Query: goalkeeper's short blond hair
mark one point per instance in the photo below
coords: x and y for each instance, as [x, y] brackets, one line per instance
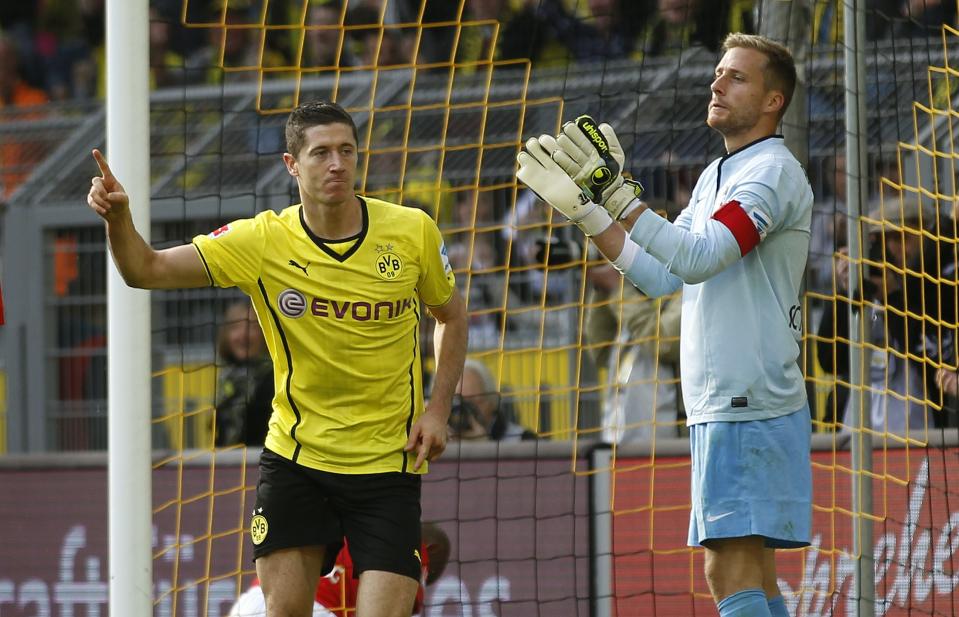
[780, 73]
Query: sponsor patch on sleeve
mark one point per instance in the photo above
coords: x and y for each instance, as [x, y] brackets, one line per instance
[444, 255]
[216, 233]
[761, 221]
[447, 268]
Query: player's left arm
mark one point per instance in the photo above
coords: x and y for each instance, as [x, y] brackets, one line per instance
[755, 209]
[450, 336]
[592, 156]
[437, 291]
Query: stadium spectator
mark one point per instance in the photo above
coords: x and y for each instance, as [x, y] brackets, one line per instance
[670, 29]
[738, 252]
[481, 411]
[339, 283]
[166, 64]
[521, 33]
[474, 209]
[363, 38]
[336, 592]
[14, 90]
[86, 70]
[485, 286]
[421, 186]
[925, 18]
[948, 381]
[883, 18]
[17, 157]
[741, 18]
[901, 284]
[61, 44]
[827, 274]
[478, 43]
[244, 381]
[831, 352]
[828, 223]
[17, 16]
[523, 232]
[603, 35]
[379, 46]
[473, 251]
[946, 378]
[676, 26]
[637, 340]
[240, 47]
[326, 44]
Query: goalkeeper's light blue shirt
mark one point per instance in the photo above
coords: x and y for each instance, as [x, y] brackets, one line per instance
[739, 250]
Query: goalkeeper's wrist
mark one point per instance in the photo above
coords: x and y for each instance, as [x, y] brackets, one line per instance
[594, 222]
[624, 199]
[626, 257]
[630, 208]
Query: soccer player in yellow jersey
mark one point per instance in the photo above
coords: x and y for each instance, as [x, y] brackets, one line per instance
[339, 283]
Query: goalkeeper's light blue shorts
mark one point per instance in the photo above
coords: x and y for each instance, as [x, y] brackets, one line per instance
[752, 479]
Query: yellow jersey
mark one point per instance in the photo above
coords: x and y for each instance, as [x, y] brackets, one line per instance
[341, 320]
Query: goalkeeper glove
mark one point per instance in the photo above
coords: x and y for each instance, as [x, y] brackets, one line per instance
[539, 172]
[593, 157]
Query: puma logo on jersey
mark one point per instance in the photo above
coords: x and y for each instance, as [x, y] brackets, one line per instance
[303, 268]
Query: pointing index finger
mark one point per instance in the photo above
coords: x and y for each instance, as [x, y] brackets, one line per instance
[102, 164]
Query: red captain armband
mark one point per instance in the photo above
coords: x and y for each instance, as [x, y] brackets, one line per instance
[732, 215]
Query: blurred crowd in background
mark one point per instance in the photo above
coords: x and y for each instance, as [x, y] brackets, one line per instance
[53, 50]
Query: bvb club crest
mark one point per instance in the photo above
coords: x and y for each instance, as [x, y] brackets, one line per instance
[258, 529]
[388, 265]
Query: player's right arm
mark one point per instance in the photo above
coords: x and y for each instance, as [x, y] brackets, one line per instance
[550, 182]
[644, 271]
[140, 264]
[592, 157]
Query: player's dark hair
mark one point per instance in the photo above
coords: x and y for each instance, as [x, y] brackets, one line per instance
[780, 72]
[315, 113]
[438, 548]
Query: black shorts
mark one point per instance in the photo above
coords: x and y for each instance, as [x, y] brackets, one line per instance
[378, 514]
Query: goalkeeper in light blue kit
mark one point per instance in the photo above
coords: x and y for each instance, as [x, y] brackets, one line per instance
[739, 251]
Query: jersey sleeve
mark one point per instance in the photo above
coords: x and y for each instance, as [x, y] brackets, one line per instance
[436, 282]
[649, 274]
[233, 253]
[758, 206]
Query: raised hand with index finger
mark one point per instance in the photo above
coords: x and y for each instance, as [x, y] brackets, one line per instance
[107, 196]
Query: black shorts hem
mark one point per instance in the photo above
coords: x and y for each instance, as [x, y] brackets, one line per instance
[413, 571]
[329, 557]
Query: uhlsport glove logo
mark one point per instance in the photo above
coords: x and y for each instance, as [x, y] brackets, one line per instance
[588, 126]
[602, 176]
